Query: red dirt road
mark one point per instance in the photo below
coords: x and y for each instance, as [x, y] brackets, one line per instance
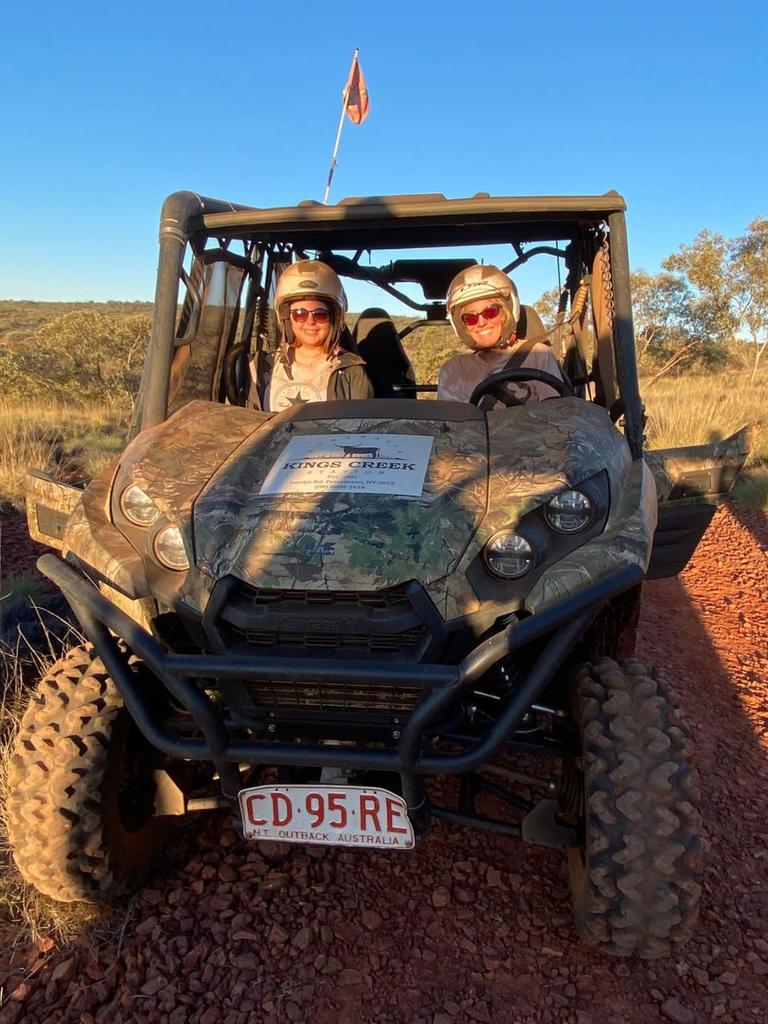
[472, 927]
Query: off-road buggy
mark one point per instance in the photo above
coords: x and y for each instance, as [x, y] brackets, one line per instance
[308, 617]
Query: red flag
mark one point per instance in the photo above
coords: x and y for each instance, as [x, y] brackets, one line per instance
[358, 105]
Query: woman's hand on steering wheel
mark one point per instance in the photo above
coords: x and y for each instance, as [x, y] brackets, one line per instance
[493, 385]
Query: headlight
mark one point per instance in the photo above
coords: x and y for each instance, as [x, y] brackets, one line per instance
[169, 548]
[568, 511]
[137, 507]
[509, 555]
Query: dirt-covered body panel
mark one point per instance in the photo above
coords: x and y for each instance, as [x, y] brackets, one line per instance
[338, 539]
[702, 471]
[480, 476]
[627, 540]
[535, 451]
[96, 542]
[174, 461]
[49, 504]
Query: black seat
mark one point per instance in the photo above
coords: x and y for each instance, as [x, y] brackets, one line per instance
[530, 327]
[380, 346]
[347, 341]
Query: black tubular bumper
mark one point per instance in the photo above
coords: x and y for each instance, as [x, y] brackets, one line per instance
[440, 685]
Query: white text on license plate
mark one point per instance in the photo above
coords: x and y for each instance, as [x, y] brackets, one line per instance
[332, 815]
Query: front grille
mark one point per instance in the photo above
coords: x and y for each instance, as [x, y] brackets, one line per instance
[347, 623]
[364, 598]
[325, 625]
[409, 639]
[333, 697]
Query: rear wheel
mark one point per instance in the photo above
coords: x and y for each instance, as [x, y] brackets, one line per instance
[81, 792]
[636, 877]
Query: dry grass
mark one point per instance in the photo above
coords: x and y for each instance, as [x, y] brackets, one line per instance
[21, 446]
[750, 494]
[23, 586]
[69, 441]
[700, 410]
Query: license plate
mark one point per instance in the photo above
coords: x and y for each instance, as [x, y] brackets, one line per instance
[330, 815]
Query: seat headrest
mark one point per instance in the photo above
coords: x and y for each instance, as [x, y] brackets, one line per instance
[530, 326]
[379, 344]
[368, 320]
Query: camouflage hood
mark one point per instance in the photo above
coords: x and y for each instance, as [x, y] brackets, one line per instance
[344, 503]
[360, 503]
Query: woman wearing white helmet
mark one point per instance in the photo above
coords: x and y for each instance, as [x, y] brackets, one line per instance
[310, 364]
[484, 309]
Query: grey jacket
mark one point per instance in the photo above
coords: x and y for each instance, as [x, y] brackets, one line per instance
[348, 379]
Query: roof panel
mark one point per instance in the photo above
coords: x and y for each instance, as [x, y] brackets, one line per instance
[395, 217]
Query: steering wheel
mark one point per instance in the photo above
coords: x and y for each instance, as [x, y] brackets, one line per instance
[493, 385]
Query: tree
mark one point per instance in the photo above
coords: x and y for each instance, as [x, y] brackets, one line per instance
[714, 310]
[87, 355]
[661, 305]
[13, 381]
[547, 306]
[749, 261]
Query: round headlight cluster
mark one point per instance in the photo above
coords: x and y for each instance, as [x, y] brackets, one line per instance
[568, 511]
[137, 506]
[509, 555]
[169, 548]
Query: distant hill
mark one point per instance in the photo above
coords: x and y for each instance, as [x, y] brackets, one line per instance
[20, 319]
[427, 348]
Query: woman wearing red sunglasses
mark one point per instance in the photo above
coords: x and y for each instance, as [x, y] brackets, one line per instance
[484, 309]
[310, 365]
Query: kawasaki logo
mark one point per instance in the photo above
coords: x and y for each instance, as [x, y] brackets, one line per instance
[304, 623]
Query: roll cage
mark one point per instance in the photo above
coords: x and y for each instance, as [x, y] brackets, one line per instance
[236, 254]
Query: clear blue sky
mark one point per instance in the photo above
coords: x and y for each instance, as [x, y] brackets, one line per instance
[107, 108]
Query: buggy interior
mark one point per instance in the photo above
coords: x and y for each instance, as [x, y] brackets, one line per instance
[217, 284]
[227, 325]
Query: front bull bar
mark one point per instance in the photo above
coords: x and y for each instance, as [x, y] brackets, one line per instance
[442, 685]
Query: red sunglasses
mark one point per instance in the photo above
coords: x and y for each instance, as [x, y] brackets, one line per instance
[489, 313]
[319, 316]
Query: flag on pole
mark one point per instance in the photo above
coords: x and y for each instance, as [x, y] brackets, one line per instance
[357, 104]
[354, 103]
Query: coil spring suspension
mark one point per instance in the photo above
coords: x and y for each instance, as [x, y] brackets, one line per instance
[579, 304]
[569, 791]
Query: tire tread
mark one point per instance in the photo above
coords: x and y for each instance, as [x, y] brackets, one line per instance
[55, 779]
[639, 886]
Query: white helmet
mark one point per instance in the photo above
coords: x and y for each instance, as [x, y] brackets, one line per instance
[482, 282]
[310, 279]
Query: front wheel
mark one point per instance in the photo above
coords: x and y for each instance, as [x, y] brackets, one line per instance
[635, 879]
[80, 790]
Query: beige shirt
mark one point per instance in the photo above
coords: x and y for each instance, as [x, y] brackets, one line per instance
[297, 385]
[460, 375]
